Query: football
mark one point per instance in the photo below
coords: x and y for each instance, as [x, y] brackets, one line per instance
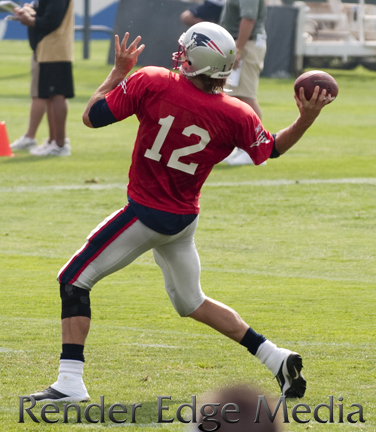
[309, 80]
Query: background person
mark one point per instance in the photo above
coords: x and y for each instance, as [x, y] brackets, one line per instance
[38, 108]
[210, 11]
[51, 34]
[245, 21]
[186, 127]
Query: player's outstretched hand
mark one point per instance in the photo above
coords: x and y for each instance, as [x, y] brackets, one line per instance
[126, 58]
[310, 109]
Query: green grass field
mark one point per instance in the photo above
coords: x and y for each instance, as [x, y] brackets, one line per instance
[290, 246]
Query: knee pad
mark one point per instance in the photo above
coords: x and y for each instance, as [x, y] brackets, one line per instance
[75, 301]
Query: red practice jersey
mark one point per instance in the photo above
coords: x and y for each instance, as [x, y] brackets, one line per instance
[183, 133]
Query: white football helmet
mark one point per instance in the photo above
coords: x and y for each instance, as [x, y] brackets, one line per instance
[205, 48]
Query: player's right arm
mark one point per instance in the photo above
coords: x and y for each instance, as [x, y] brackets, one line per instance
[309, 111]
[125, 60]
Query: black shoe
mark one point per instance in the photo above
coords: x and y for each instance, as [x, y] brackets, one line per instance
[50, 394]
[290, 378]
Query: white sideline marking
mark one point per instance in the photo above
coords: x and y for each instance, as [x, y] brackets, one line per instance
[279, 274]
[213, 337]
[57, 322]
[365, 280]
[5, 350]
[280, 182]
[272, 273]
[152, 345]
[21, 189]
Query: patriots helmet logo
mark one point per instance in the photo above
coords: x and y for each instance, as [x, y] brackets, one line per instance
[201, 40]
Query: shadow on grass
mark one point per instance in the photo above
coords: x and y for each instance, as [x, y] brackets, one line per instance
[17, 159]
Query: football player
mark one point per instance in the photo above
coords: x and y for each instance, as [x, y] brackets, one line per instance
[187, 125]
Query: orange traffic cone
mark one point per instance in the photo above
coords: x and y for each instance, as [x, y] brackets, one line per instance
[5, 150]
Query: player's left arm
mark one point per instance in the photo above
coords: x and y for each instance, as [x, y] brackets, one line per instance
[309, 111]
[125, 60]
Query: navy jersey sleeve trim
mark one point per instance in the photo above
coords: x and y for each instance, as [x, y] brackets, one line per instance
[100, 114]
[275, 153]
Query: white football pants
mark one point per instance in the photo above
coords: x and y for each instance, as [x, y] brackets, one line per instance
[120, 239]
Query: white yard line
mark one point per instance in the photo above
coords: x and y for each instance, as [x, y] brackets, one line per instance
[6, 350]
[249, 271]
[153, 346]
[138, 330]
[280, 182]
[283, 182]
[255, 183]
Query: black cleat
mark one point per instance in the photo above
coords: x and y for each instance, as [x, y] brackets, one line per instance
[50, 394]
[290, 378]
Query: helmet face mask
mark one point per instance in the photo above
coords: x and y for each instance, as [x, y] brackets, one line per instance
[206, 48]
[179, 56]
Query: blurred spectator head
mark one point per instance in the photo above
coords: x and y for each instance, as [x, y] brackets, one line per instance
[234, 409]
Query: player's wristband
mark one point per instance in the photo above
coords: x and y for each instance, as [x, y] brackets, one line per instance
[275, 153]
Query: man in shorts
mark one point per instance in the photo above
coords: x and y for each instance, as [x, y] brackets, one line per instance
[245, 21]
[210, 11]
[187, 125]
[51, 34]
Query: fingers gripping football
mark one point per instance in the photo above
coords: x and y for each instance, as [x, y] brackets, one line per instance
[310, 109]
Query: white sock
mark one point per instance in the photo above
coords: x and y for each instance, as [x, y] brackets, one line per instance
[271, 356]
[70, 380]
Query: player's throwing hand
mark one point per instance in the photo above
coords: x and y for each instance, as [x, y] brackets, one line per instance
[310, 109]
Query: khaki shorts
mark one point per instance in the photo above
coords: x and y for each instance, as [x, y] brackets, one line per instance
[34, 77]
[253, 62]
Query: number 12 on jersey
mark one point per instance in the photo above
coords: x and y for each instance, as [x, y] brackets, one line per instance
[154, 152]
